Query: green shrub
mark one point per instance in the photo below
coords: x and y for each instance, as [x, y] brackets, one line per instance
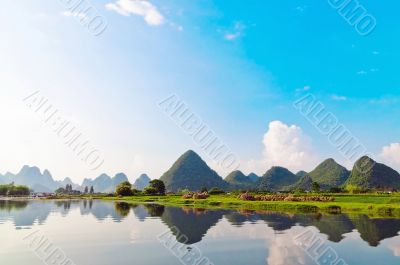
[216, 191]
[124, 189]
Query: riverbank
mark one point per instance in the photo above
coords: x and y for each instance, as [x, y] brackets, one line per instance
[372, 205]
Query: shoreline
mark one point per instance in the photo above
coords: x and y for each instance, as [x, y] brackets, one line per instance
[373, 205]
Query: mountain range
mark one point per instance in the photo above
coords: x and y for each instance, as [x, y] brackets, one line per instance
[191, 172]
[33, 178]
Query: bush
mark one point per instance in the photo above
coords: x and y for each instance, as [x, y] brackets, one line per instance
[335, 190]
[136, 192]
[150, 191]
[216, 191]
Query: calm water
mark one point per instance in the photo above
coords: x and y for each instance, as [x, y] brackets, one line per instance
[97, 232]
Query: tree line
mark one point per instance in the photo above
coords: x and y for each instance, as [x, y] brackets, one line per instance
[14, 190]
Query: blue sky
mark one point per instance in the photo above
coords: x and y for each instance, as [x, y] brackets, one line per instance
[239, 66]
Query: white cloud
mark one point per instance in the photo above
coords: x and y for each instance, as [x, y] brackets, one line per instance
[301, 9]
[285, 146]
[385, 100]
[74, 14]
[338, 98]
[237, 32]
[391, 154]
[302, 89]
[143, 8]
[362, 72]
[288, 146]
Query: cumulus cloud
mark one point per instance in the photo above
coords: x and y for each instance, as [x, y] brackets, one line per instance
[145, 9]
[286, 146]
[391, 154]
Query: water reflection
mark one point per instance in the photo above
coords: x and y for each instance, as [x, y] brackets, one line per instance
[195, 222]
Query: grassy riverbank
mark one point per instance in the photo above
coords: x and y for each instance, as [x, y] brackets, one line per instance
[373, 205]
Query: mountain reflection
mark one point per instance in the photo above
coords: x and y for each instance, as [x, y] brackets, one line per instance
[194, 223]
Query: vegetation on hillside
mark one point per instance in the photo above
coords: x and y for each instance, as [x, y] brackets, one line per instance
[329, 174]
[277, 179]
[191, 172]
[238, 180]
[368, 174]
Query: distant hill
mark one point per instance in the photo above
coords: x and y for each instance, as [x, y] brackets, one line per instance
[142, 182]
[238, 180]
[301, 173]
[368, 174]
[329, 174]
[304, 183]
[33, 178]
[104, 183]
[68, 181]
[191, 172]
[253, 177]
[277, 179]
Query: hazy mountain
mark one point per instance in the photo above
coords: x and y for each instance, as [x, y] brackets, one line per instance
[142, 182]
[276, 179]
[368, 174]
[253, 177]
[68, 181]
[329, 174]
[7, 178]
[238, 180]
[118, 179]
[104, 183]
[32, 178]
[191, 172]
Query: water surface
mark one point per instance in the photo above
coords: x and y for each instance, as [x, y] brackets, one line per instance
[99, 232]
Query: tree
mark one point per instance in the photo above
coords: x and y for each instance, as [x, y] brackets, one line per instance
[158, 186]
[315, 187]
[60, 191]
[91, 190]
[68, 188]
[124, 189]
[86, 189]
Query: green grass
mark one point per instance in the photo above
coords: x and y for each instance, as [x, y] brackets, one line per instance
[371, 204]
